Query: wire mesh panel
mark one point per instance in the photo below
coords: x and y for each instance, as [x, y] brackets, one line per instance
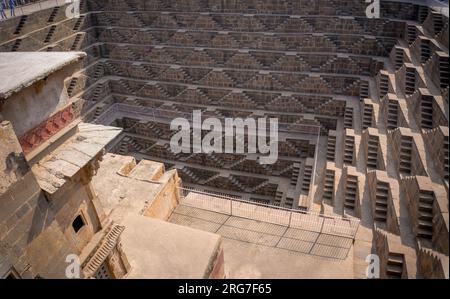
[296, 219]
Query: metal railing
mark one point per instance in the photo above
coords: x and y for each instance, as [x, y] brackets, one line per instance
[31, 6]
[296, 219]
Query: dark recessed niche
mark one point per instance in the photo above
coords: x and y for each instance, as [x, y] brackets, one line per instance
[78, 223]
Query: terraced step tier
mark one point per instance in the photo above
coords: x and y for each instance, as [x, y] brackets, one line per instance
[381, 201]
[50, 34]
[52, 16]
[16, 45]
[307, 175]
[76, 41]
[78, 23]
[331, 148]
[295, 174]
[21, 24]
[394, 266]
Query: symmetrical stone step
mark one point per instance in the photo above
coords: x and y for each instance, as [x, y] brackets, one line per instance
[76, 41]
[72, 85]
[349, 149]
[423, 13]
[193, 178]
[21, 24]
[102, 251]
[410, 81]
[426, 115]
[98, 71]
[445, 155]
[392, 114]
[78, 23]
[279, 196]
[425, 214]
[438, 22]
[351, 192]
[383, 84]
[123, 146]
[411, 33]
[404, 163]
[368, 116]
[328, 187]
[364, 89]
[16, 45]
[372, 152]
[381, 201]
[96, 92]
[295, 174]
[307, 176]
[399, 57]
[331, 145]
[348, 118]
[289, 203]
[126, 86]
[52, 16]
[444, 71]
[425, 51]
[49, 36]
[394, 265]
[98, 111]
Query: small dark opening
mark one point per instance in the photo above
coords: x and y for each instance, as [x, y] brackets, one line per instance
[11, 276]
[78, 223]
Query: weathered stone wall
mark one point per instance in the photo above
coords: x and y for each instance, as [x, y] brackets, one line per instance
[31, 238]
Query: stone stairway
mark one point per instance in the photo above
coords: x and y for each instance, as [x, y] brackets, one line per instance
[295, 173]
[368, 116]
[126, 86]
[72, 85]
[96, 92]
[351, 192]
[410, 81]
[392, 114]
[78, 23]
[16, 45]
[49, 35]
[52, 16]
[21, 24]
[372, 152]
[381, 201]
[426, 112]
[444, 73]
[383, 84]
[349, 149]
[411, 33]
[425, 214]
[328, 187]
[76, 41]
[348, 118]
[331, 145]
[194, 178]
[364, 89]
[307, 176]
[113, 70]
[399, 57]
[394, 265]
[98, 71]
[404, 166]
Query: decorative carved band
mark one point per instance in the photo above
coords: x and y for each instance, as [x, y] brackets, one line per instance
[35, 137]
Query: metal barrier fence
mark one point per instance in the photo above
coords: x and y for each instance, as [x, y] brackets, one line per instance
[297, 219]
[31, 6]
